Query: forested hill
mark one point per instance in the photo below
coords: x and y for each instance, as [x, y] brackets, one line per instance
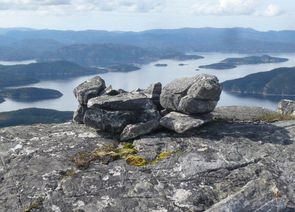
[276, 82]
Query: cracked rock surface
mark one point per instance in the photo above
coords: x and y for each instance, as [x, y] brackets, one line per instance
[223, 166]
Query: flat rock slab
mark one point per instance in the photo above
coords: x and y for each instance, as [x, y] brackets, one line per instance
[132, 131]
[241, 113]
[181, 123]
[224, 167]
[125, 101]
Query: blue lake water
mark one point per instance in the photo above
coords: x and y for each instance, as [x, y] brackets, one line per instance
[150, 74]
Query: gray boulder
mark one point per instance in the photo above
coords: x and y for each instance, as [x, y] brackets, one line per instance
[181, 123]
[89, 89]
[196, 95]
[287, 107]
[108, 121]
[79, 114]
[132, 131]
[116, 121]
[124, 101]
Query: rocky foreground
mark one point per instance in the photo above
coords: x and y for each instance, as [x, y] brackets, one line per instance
[223, 166]
[159, 150]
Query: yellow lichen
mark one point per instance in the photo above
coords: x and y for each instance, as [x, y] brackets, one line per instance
[273, 117]
[162, 156]
[124, 152]
[136, 160]
[68, 173]
[35, 204]
[82, 159]
[106, 153]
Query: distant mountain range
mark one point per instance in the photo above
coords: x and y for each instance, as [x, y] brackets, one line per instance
[279, 82]
[20, 44]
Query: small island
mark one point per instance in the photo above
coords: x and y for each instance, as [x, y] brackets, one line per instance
[231, 63]
[123, 68]
[161, 65]
[30, 94]
[182, 64]
[184, 57]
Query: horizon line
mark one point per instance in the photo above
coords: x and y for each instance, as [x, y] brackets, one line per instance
[135, 31]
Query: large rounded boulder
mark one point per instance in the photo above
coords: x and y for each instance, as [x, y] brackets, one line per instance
[196, 95]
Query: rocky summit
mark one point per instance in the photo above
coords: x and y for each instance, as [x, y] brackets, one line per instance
[127, 151]
[223, 166]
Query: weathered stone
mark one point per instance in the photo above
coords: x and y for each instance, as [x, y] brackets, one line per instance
[89, 89]
[132, 131]
[108, 121]
[116, 121]
[241, 113]
[195, 95]
[181, 123]
[79, 114]
[125, 101]
[110, 91]
[287, 107]
[154, 91]
[190, 105]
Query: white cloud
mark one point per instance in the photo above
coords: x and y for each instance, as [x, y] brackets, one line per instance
[82, 5]
[235, 7]
[226, 7]
[272, 10]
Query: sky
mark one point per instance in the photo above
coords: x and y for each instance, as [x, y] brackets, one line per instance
[139, 15]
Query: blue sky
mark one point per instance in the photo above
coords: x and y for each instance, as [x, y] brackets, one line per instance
[137, 15]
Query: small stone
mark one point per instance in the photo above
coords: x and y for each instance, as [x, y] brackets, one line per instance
[135, 130]
[287, 107]
[182, 123]
[109, 91]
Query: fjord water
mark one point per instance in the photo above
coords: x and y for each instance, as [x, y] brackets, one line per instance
[150, 73]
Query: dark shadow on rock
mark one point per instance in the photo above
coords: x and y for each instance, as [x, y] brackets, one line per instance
[260, 132]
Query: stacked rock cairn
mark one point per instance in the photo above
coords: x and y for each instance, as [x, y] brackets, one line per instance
[182, 105]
